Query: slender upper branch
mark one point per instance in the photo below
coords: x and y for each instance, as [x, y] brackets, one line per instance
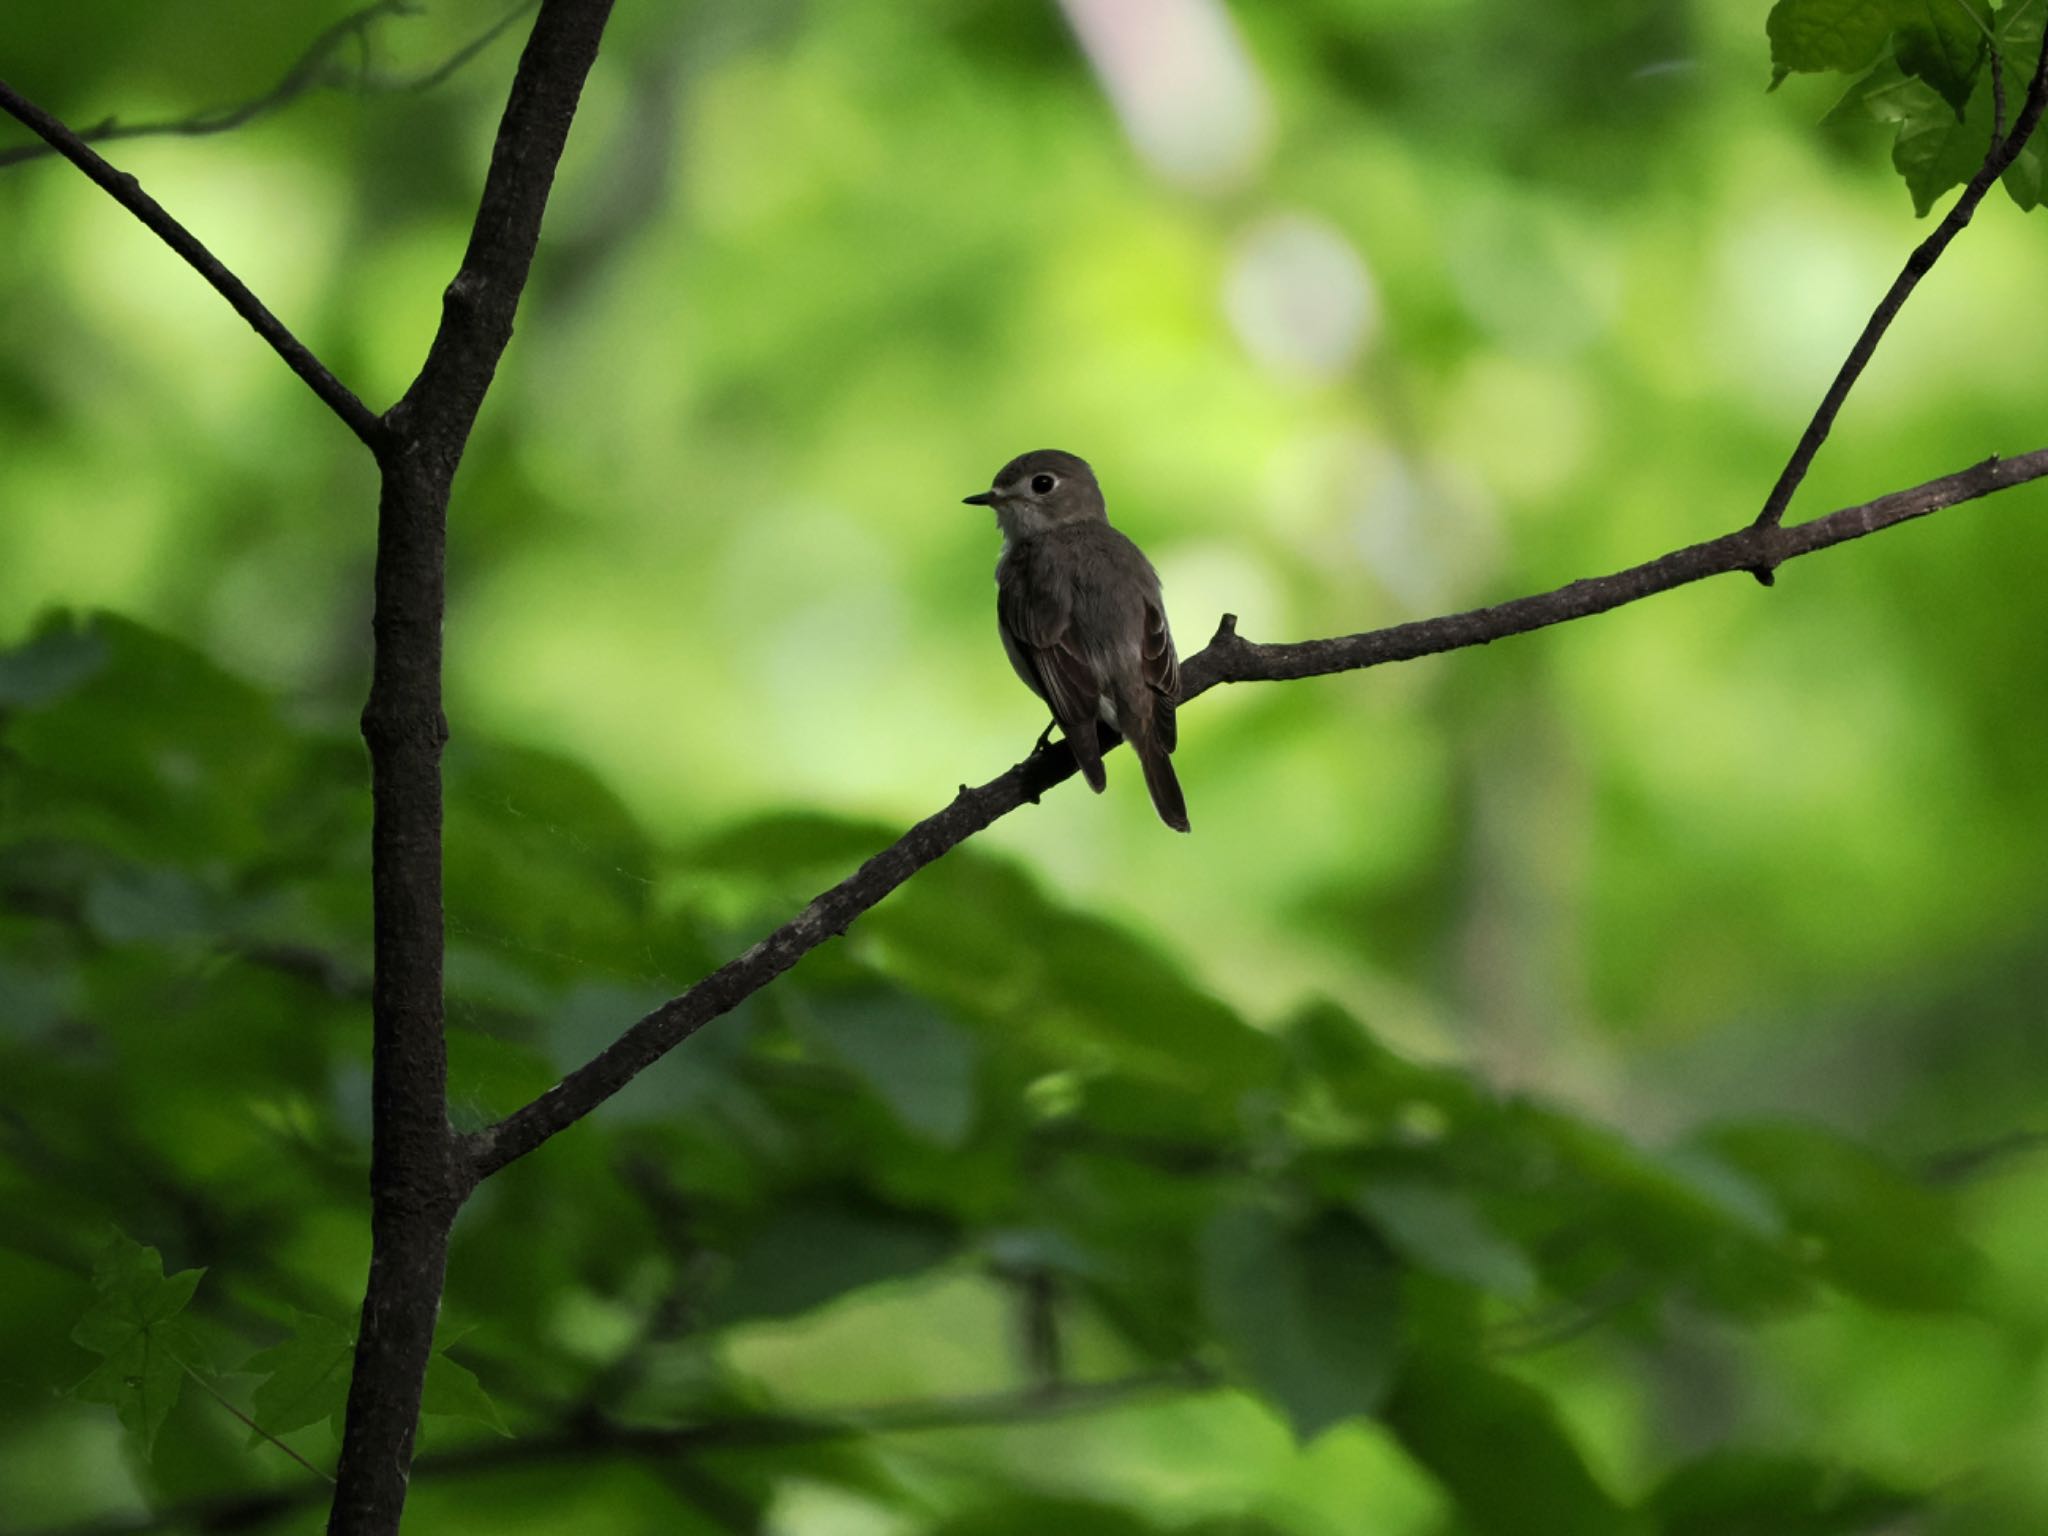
[127, 191]
[308, 72]
[2004, 150]
[477, 307]
[1228, 658]
[305, 73]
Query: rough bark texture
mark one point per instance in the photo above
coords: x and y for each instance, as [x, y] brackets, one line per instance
[416, 1183]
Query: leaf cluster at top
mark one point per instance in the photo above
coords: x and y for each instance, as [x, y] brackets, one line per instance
[1923, 67]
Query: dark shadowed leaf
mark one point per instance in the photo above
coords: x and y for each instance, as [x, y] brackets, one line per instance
[909, 1055]
[810, 1251]
[1943, 120]
[1443, 1230]
[61, 656]
[792, 843]
[1811, 35]
[153, 906]
[453, 1392]
[1876, 1232]
[135, 1322]
[1035, 1515]
[305, 1378]
[1310, 1316]
[1756, 1493]
[1497, 1447]
[1941, 44]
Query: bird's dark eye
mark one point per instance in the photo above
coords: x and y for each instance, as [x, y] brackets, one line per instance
[1041, 484]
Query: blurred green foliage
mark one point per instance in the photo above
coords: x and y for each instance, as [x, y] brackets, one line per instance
[1579, 1086]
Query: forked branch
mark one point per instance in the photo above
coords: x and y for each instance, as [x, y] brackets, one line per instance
[2005, 148]
[127, 191]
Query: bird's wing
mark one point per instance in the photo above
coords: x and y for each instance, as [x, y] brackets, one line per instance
[1161, 671]
[1036, 619]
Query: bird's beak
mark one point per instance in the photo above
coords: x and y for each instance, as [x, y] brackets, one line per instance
[979, 499]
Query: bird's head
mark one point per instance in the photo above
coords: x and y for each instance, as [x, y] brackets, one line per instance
[1039, 490]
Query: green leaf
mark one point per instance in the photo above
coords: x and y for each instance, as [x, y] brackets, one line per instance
[787, 844]
[2019, 32]
[1443, 1231]
[810, 1251]
[1874, 1231]
[162, 757]
[452, 1391]
[135, 1322]
[2023, 179]
[1936, 41]
[909, 1056]
[1311, 1317]
[1943, 126]
[1935, 150]
[61, 656]
[306, 1377]
[1944, 44]
[1931, 149]
[1814, 35]
[1031, 1514]
[1754, 1493]
[148, 906]
[1499, 1451]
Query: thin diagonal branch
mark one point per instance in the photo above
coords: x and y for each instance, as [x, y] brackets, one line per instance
[1229, 658]
[308, 73]
[465, 53]
[478, 306]
[220, 1397]
[2002, 153]
[598, 1439]
[127, 191]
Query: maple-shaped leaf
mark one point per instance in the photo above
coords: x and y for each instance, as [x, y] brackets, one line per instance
[452, 1391]
[136, 1321]
[305, 1377]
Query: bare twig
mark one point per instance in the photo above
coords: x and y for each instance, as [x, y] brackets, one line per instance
[304, 74]
[587, 1439]
[462, 55]
[127, 191]
[309, 72]
[2002, 153]
[215, 1393]
[1229, 658]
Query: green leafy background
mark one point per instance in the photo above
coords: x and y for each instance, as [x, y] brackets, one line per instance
[1585, 1085]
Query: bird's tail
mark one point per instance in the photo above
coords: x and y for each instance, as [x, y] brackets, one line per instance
[1160, 779]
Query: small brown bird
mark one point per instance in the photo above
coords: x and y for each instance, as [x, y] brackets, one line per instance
[1081, 616]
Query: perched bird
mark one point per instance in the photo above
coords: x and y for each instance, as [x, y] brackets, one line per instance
[1080, 613]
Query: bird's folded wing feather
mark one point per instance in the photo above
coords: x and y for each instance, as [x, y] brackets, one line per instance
[1162, 671]
[1036, 617]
